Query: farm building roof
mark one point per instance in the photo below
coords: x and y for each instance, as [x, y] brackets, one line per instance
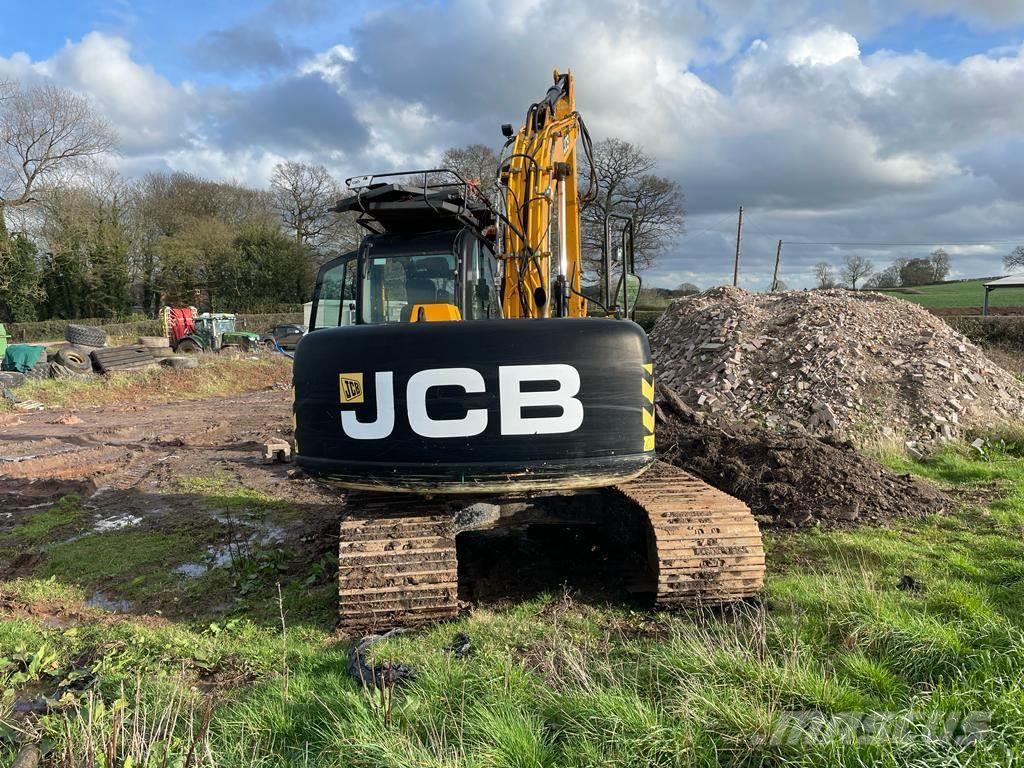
[1013, 281]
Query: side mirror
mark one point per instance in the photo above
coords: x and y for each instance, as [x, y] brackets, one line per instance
[627, 292]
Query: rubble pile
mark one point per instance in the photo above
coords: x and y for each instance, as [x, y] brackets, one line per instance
[857, 366]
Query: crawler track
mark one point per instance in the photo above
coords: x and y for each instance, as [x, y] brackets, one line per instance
[707, 544]
[396, 562]
[398, 565]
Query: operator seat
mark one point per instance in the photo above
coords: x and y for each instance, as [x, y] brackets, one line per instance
[418, 290]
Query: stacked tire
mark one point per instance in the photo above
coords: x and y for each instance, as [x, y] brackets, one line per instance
[85, 335]
[158, 346]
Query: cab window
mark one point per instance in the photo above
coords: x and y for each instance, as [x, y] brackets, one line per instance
[394, 284]
[334, 302]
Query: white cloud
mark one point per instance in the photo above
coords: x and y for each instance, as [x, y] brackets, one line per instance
[147, 110]
[822, 47]
[817, 140]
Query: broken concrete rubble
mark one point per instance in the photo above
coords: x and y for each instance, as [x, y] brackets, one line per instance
[854, 365]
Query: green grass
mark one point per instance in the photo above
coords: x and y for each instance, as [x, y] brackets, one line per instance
[44, 525]
[554, 681]
[965, 293]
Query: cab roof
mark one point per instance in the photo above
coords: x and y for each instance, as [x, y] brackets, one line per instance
[407, 208]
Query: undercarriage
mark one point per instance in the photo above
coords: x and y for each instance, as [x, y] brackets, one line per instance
[672, 539]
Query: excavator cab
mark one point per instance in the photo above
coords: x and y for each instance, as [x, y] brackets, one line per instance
[441, 275]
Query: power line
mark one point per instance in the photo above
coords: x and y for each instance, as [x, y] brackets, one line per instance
[708, 228]
[892, 245]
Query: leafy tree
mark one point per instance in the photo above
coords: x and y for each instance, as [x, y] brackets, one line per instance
[88, 238]
[20, 288]
[1014, 259]
[276, 269]
[64, 285]
[687, 289]
[916, 272]
[779, 287]
[186, 259]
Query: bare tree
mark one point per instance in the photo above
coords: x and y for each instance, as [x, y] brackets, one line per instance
[940, 264]
[1014, 259]
[477, 164]
[856, 269]
[626, 184]
[824, 274]
[304, 195]
[47, 134]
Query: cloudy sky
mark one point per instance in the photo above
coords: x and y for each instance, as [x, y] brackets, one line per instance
[880, 127]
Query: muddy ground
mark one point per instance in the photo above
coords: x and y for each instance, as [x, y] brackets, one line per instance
[145, 477]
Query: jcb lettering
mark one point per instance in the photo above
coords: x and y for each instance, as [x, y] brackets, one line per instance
[385, 422]
[473, 423]
[512, 400]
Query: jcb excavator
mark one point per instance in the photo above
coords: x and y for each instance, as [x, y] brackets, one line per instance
[452, 382]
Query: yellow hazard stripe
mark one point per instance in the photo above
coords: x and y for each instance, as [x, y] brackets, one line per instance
[649, 420]
[647, 389]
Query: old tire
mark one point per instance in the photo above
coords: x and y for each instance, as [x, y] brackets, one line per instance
[155, 342]
[74, 358]
[11, 379]
[188, 347]
[40, 370]
[86, 335]
[180, 362]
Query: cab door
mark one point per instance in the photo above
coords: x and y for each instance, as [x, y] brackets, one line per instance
[334, 295]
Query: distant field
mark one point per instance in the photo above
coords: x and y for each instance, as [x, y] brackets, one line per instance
[968, 293]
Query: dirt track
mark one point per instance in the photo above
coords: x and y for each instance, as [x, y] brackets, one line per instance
[144, 466]
[121, 447]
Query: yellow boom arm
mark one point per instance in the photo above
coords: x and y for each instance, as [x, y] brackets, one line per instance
[541, 238]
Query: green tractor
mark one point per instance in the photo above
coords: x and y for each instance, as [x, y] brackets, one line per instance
[212, 332]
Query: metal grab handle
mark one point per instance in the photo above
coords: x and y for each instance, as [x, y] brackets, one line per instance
[627, 259]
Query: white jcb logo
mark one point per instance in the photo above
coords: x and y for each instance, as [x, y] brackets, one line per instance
[511, 397]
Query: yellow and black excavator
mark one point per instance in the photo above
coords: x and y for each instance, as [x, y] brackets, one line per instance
[452, 382]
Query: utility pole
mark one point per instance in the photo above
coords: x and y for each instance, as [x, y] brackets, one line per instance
[739, 233]
[775, 276]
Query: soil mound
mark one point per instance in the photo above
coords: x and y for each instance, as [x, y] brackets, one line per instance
[789, 480]
[854, 365]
